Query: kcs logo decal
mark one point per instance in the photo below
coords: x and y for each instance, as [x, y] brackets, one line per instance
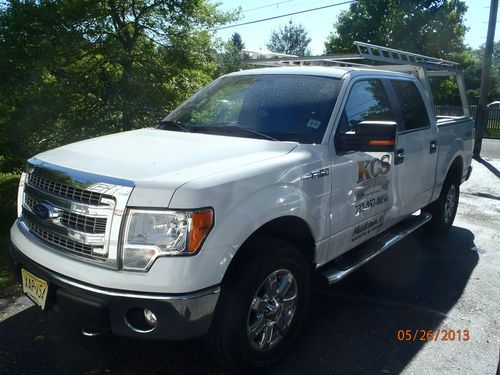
[372, 168]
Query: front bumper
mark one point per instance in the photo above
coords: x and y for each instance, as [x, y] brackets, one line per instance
[179, 316]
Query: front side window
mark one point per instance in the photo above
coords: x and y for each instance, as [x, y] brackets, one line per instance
[367, 101]
[282, 107]
[412, 106]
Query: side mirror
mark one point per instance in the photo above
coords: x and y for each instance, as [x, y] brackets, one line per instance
[369, 136]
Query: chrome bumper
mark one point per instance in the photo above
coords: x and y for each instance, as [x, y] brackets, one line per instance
[179, 316]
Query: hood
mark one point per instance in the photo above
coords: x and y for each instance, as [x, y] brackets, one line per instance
[155, 158]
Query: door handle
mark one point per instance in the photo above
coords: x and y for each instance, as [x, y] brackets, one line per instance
[433, 147]
[400, 156]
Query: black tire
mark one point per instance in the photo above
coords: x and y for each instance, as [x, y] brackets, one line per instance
[229, 340]
[444, 209]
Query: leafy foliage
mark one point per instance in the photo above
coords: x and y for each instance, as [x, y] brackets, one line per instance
[229, 60]
[8, 192]
[290, 39]
[474, 71]
[73, 69]
[431, 27]
[237, 42]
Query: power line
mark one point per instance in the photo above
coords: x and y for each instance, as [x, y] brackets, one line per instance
[277, 5]
[266, 6]
[284, 15]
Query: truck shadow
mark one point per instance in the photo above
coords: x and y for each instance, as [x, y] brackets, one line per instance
[489, 166]
[351, 328]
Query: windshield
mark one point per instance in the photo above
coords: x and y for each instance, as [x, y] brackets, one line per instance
[268, 106]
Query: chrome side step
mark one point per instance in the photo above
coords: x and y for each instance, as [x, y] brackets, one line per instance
[355, 258]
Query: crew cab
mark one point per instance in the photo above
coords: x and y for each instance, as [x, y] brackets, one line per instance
[213, 222]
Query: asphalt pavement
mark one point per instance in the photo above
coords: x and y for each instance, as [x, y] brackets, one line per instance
[423, 283]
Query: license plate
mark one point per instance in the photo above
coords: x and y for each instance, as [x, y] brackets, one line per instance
[35, 288]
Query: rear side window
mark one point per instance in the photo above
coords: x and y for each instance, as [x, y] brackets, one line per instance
[367, 101]
[412, 106]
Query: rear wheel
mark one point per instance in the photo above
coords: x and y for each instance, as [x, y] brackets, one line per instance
[444, 209]
[261, 307]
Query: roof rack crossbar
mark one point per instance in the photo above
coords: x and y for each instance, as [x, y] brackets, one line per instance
[397, 57]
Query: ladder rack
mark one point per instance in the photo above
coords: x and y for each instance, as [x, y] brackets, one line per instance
[366, 51]
[393, 56]
[420, 66]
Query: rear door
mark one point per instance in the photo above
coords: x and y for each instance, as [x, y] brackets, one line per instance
[416, 152]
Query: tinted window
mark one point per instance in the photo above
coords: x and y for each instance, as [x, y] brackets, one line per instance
[285, 107]
[367, 102]
[412, 106]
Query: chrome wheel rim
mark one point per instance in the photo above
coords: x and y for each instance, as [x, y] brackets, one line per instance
[272, 310]
[449, 205]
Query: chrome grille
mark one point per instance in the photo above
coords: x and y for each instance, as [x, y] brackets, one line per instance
[66, 191]
[74, 212]
[83, 223]
[61, 241]
[73, 220]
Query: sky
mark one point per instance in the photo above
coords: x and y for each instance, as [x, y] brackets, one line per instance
[319, 24]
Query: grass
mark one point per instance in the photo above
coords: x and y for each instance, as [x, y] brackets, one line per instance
[8, 212]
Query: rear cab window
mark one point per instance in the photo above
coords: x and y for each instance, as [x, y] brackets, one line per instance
[412, 105]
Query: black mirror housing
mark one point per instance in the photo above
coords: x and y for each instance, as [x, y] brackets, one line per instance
[369, 136]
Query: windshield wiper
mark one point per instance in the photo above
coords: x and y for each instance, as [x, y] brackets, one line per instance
[233, 129]
[169, 124]
[255, 132]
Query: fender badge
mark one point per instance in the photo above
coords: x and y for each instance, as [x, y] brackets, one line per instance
[316, 174]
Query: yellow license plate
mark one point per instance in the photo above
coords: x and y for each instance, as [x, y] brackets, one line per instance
[35, 288]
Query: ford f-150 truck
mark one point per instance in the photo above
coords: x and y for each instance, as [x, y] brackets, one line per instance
[214, 222]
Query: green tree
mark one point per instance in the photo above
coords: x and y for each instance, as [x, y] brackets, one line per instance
[229, 60]
[290, 39]
[237, 42]
[473, 73]
[431, 27]
[71, 69]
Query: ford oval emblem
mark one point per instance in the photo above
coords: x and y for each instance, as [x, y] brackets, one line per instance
[44, 211]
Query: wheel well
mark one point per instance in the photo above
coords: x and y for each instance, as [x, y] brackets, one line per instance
[456, 169]
[290, 229]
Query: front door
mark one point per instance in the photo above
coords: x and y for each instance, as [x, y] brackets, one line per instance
[364, 200]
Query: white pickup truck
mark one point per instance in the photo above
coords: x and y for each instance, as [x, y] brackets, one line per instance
[213, 223]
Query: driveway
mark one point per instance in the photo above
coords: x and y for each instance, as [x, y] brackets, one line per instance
[448, 283]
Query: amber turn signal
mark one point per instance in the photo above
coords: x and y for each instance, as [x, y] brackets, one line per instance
[201, 223]
[381, 142]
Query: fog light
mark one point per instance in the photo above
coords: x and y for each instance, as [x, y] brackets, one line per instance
[140, 320]
[150, 317]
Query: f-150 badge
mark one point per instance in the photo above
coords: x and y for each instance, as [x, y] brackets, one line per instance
[316, 174]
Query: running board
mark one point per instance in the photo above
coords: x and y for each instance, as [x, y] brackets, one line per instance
[355, 258]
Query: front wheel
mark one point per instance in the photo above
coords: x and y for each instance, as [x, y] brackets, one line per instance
[261, 307]
[444, 209]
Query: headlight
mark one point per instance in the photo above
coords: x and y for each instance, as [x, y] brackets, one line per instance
[149, 234]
